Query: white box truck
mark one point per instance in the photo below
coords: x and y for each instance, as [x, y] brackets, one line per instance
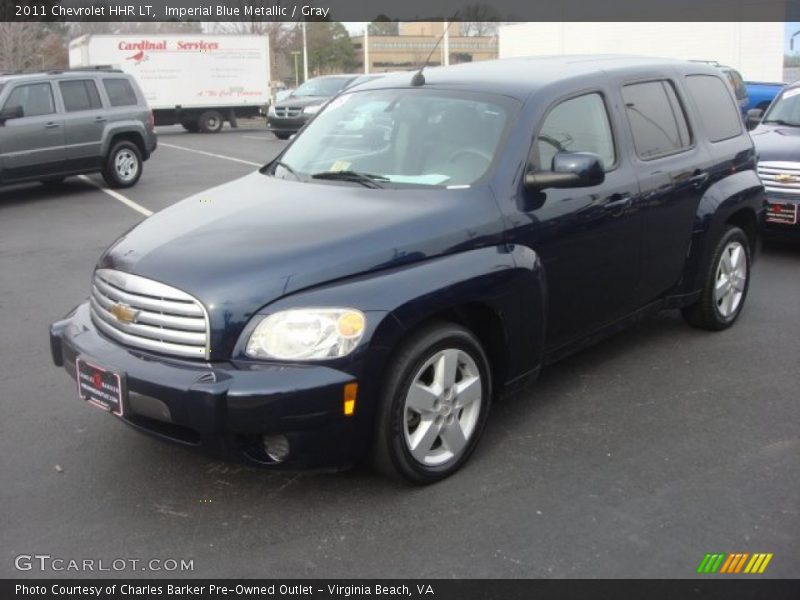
[754, 49]
[196, 80]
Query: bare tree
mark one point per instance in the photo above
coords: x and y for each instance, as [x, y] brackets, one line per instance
[479, 20]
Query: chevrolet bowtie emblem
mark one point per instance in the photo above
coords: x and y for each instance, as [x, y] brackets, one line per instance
[786, 178]
[124, 313]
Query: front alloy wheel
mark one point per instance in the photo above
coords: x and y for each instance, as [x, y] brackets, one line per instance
[434, 406]
[442, 406]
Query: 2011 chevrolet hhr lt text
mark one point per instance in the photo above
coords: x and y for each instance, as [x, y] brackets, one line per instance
[425, 244]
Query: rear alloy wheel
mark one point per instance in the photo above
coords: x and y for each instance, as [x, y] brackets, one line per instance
[123, 165]
[435, 405]
[210, 122]
[726, 284]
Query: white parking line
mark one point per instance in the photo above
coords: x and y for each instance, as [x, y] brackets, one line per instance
[257, 137]
[117, 196]
[222, 156]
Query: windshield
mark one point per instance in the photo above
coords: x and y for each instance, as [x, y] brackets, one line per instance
[406, 136]
[785, 110]
[327, 86]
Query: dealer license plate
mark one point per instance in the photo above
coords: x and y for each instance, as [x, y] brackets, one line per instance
[784, 213]
[100, 386]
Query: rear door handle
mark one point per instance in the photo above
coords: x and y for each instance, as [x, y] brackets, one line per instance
[52, 125]
[698, 179]
[100, 119]
[618, 203]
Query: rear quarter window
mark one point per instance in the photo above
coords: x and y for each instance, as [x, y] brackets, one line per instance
[657, 120]
[120, 92]
[715, 107]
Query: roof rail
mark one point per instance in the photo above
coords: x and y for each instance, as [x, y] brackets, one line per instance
[104, 68]
[713, 63]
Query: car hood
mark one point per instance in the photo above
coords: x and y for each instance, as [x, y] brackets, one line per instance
[777, 142]
[301, 101]
[242, 245]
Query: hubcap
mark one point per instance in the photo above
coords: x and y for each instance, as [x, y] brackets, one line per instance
[442, 407]
[731, 279]
[126, 165]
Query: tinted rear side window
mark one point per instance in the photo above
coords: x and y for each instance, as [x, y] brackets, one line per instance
[657, 120]
[79, 95]
[717, 112]
[120, 92]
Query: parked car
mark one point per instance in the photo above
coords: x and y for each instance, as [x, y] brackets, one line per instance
[760, 94]
[287, 116]
[777, 140]
[372, 294]
[60, 123]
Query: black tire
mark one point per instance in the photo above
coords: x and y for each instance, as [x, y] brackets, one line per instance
[53, 181]
[210, 122]
[709, 312]
[392, 455]
[115, 174]
[283, 136]
[190, 126]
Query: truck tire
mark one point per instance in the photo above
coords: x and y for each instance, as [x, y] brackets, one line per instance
[283, 136]
[434, 405]
[190, 126]
[123, 165]
[210, 122]
[726, 283]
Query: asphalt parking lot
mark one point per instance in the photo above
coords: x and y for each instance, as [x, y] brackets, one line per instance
[631, 459]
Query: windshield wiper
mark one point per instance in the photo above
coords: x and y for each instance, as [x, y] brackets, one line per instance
[782, 122]
[366, 179]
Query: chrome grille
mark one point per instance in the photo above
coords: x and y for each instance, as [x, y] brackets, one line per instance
[288, 111]
[780, 176]
[158, 317]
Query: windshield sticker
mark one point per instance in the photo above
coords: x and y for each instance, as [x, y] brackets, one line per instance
[340, 165]
[337, 102]
[791, 93]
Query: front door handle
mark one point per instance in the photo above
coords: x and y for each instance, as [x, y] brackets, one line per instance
[698, 178]
[618, 203]
[52, 125]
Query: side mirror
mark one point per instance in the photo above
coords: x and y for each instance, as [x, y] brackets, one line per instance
[754, 116]
[11, 112]
[569, 170]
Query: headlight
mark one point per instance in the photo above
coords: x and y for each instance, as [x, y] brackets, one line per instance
[307, 334]
[271, 111]
[312, 110]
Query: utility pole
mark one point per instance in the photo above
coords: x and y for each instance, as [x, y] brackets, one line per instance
[366, 48]
[305, 54]
[446, 44]
[296, 53]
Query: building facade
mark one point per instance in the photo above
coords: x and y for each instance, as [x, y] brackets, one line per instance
[416, 41]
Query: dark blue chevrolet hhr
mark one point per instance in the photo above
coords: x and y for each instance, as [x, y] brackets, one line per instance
[423, 246]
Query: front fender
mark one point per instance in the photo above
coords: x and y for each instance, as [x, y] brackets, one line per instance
[507, 280]
[726, 197]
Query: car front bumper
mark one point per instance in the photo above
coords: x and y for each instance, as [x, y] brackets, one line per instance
[287, 125]
[221, 408]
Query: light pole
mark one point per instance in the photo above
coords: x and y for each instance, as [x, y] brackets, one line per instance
[305, 54]
[296, 53]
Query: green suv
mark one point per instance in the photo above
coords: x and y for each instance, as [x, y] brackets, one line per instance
[60, 123]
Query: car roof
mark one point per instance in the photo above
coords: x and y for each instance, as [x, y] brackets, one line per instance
[519, 77]
[30, 75]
